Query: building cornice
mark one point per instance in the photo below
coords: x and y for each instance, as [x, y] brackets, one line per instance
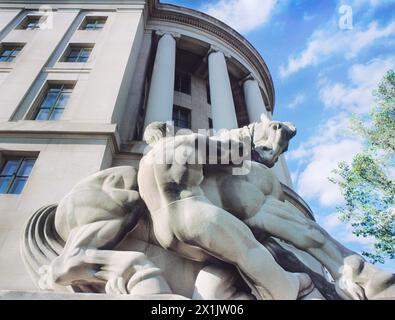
[61, 130]
[189, 17]
[76, 2]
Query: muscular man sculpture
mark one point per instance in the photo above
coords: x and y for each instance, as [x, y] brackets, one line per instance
[204, 211]
[186, 221]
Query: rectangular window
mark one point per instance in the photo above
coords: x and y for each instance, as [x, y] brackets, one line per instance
[32, 23]
[14, 174]
[182, 83]
[54, 102]
[93, 23]
[208, 93]
[210, 123]
[78, 54]
[182, 117]
[9, 52]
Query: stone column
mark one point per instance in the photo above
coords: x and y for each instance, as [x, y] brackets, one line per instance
[223, 107]
[255, 107]
[254, 100]
[161, 94]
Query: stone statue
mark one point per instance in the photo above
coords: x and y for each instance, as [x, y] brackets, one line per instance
[202, 211]
[186, 221]
[94, 217]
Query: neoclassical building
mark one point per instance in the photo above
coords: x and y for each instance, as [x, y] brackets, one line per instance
[80, 80]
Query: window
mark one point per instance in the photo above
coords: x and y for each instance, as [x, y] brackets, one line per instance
[208, 93]
[9, 52]
[182, 83]
[210, 123]
[54, 102]
[94, 23]
[78, 54]
[14, 174]
[32, 23]
[182, 117]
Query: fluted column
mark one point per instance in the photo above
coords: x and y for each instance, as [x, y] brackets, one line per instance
[223, 107]
[254, 100]
[161, 94]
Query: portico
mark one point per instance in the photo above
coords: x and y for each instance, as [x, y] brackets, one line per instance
[222, 74]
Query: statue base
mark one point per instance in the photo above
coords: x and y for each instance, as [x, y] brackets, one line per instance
[49, 295]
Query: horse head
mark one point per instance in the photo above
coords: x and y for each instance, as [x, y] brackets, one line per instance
[270, 139]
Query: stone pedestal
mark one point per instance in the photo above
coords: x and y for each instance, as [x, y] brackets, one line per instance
[48, 295]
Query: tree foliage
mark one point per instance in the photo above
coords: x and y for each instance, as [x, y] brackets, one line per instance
[367, 183]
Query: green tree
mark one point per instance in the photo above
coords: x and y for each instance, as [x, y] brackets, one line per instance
[367, 183]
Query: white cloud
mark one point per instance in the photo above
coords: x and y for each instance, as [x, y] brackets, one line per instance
[331, 221]
[308, 17]
[242, 15]
[297, 101]
[343, 231]
[357, 96]
[313, 181]
[330, 41]
[317, 157]
[370, 3]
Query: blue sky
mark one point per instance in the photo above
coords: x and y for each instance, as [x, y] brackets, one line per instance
[324, 66]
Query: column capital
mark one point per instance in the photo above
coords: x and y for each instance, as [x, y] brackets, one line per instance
[246, 78]
[214, 48]
[161, 33]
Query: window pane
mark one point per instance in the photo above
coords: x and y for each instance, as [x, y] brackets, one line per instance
[3, 59]
[208, 93]
[17, 186]
[6, 52]
[210, 123]
[177, 82]
[186, 84]
[64, 97]
[55, 87]
[49, 100]
[94, 23]
[85, 52]
[181, 118]
[71, 59]
[10, 167]
[56, 114]
[32, 25]
[90, 26]
[43, 114]
[74, 53]
[15, 52]
[26, 168]
[82, 59]
[4, 183]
